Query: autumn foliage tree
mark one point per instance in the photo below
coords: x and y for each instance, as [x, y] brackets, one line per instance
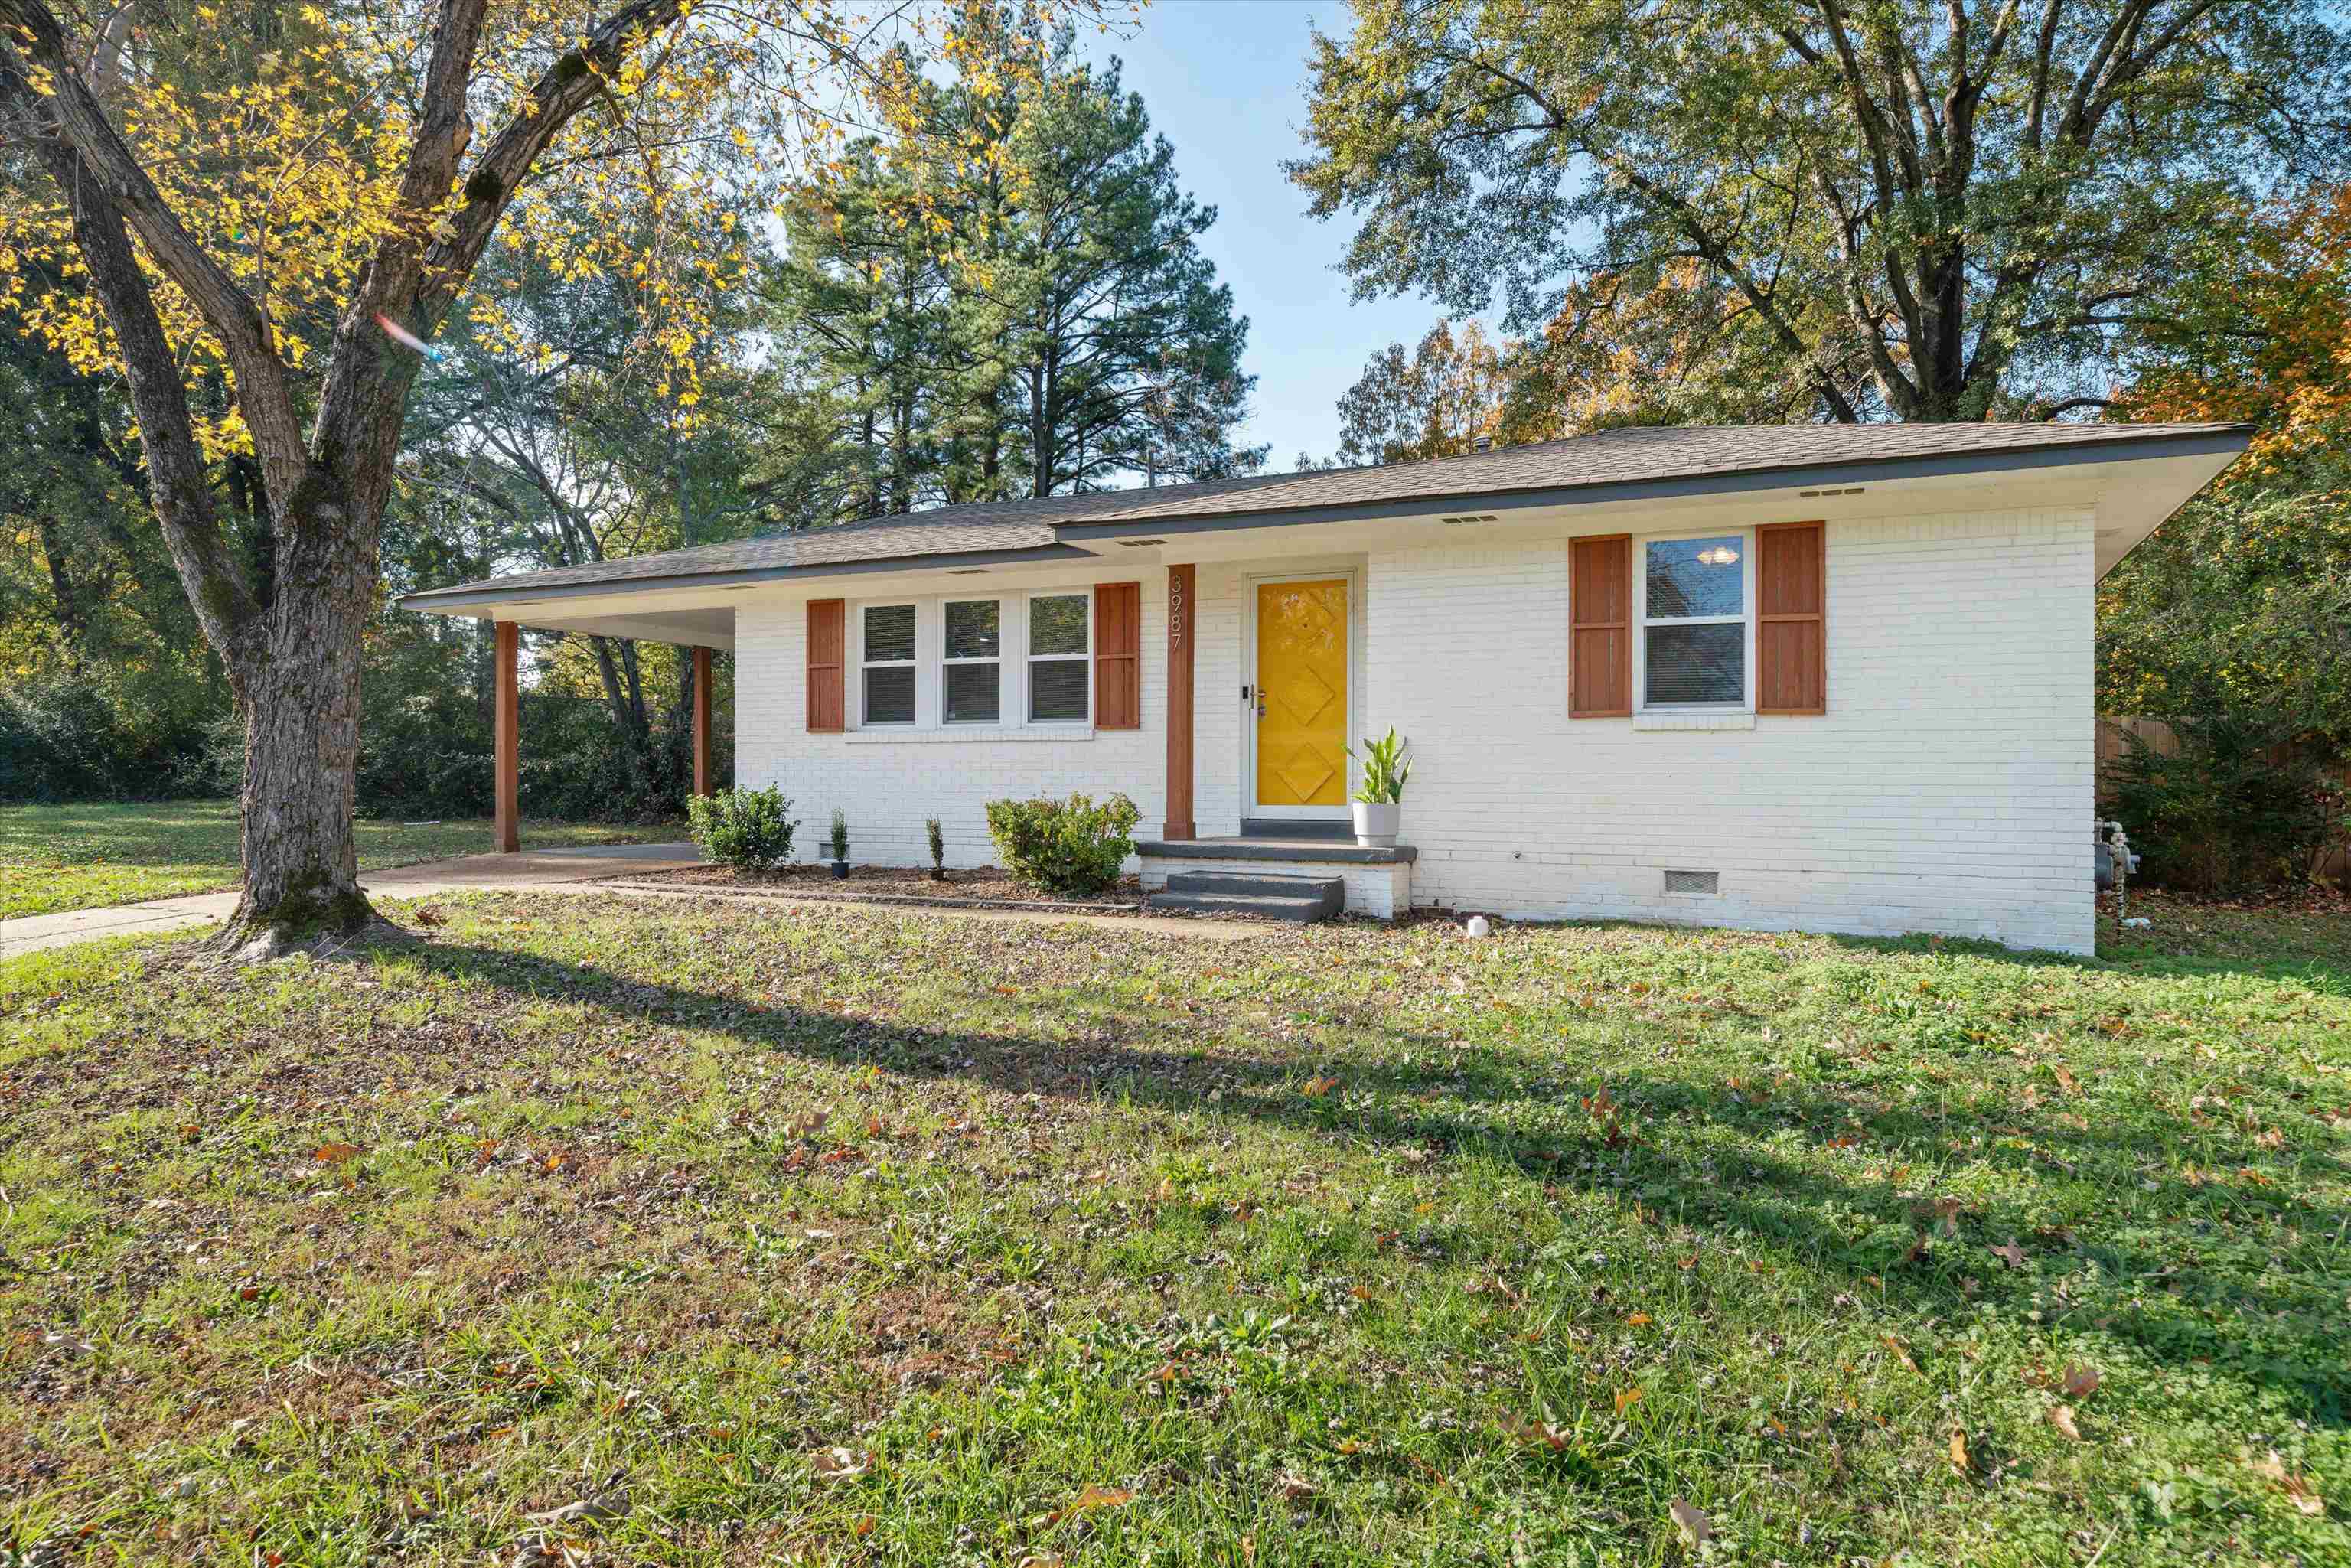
[253, 212]
[1436, 401]
[1811, 209]
[2242, 604]
[2258, 330]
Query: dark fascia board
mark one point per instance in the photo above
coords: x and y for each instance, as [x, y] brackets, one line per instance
[2110, 450]
[2106, 449]
[450, 599]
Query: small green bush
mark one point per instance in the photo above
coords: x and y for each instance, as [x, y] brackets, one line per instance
[1071, 847]
[2238, 808]
[750, 829]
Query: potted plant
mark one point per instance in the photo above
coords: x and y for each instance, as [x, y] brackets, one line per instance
[839, 842]
[938, 849]
[1379, 803]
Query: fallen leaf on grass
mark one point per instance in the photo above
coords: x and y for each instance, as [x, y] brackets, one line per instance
[335, 1154]
[1960, 1460]
[2062, 1417]
[2079, 1382]
[1527, 1431]
[1627, 1399]
[1901, 1352]
[1292, 1487]
[1315, 1088]
[1425, 1468]
[1693, 1521]
[2012, 1255]
[841, 1464]
[2297, 1488]
[1639, 1321]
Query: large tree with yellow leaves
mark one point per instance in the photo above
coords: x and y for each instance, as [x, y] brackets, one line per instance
[259, 208]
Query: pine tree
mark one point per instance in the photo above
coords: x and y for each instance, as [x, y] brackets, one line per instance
[1013, 300]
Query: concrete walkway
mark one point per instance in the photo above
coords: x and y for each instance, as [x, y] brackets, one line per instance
[580, 871]
[532, 871]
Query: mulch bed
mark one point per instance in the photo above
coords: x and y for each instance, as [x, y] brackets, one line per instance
[987, 887]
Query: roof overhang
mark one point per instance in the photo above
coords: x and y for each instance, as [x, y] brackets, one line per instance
[2130, 485]
[2163, 472]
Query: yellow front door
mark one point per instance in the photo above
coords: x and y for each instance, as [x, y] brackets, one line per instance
[1301, 708]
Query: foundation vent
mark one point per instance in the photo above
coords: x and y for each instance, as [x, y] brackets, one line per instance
[1693, 882]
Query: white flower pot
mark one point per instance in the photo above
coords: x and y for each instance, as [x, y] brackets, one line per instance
[1376, 822]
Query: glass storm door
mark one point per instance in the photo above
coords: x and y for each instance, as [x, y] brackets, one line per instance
[1301, 706]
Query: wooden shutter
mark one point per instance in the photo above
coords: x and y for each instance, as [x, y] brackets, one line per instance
[1791, 632]
[1600, 629]
[827, 648]
[1118, 655]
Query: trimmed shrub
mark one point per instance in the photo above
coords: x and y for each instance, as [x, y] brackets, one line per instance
[2236, 809]
[1071, 847]
[750, 829]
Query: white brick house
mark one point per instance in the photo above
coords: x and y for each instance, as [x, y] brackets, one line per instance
[1815, 677]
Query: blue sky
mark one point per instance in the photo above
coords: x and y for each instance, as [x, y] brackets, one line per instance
[1225, 81]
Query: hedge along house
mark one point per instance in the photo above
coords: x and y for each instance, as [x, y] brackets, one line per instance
[1818, 677]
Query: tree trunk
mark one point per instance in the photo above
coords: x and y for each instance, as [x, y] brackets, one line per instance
[627, 702]
[301, 699]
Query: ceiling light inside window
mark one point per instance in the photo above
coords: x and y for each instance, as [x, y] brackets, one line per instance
[1719, 555]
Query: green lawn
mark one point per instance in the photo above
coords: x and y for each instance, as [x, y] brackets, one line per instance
[55, 858]
[858, 1237]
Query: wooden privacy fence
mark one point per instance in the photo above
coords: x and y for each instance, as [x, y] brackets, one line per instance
[2113, 742]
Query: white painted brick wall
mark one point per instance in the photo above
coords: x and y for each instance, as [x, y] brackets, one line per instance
[1948, 789]
[888, 788]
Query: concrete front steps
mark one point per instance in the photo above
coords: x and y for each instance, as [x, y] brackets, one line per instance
[1257, 894]
[1378, 881]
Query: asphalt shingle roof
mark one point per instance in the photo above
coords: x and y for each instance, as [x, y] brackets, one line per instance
[1601, 458]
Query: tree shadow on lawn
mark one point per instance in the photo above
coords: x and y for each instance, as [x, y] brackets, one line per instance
[2118, 955]
[2153, 1288]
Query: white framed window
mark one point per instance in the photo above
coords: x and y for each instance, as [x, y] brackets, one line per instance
[886, 659]
[1016, 665]
[972, 661]
[1697, 647]
[1061, 657]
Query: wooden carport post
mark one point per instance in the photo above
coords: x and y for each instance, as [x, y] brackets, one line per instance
[703, 783]
[508, 817]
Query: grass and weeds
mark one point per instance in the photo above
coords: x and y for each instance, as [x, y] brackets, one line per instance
[720, 1236]
[55, 858]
